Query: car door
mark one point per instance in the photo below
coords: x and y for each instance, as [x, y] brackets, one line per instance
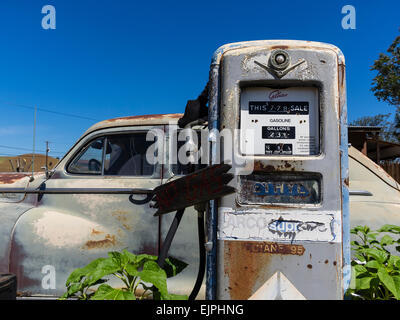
[185, 245]
[67, 231]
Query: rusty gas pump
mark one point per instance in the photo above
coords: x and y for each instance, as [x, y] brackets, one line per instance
[284, 233]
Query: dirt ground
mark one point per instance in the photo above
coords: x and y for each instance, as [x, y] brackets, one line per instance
[23, 163]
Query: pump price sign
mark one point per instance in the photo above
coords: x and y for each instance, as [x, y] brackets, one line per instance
[276, 107]
[285, 121]
[284, 132]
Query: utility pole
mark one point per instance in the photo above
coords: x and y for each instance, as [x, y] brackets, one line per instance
[47, 153]
[47, 156]
[34, 137]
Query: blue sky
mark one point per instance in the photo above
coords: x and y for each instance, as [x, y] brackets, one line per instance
[108, 59]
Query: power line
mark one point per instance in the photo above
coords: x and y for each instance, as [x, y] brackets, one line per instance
[9, 154]
[14, 155]
[27, 149]
[48, 111]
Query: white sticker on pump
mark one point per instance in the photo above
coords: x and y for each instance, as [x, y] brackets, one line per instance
[277, 225]
[285, 121]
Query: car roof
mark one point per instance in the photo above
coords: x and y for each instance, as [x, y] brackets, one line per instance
[143, 120]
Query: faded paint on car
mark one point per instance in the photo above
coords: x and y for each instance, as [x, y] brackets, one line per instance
[68, 231]
[383, 206]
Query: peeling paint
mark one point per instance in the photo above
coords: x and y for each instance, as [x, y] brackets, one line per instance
[10, 178]
[147, 117]
[64, 230]
[108, 242]
[123, 217]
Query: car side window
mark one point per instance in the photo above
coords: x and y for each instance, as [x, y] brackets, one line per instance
[181, 168]
[89, 160]
[126, 155]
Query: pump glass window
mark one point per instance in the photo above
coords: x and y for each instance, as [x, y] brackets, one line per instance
[282, 121]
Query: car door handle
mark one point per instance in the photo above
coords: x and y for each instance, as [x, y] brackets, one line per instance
[360, 193]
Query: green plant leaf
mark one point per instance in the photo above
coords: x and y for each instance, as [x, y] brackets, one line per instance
[360, 229]
[360, 269]
[118, 257]
[366, 229]
[79, 273]
[152, 273]
[132, 269]
[157, 278]
[65, 296]
[129, 256]
[390, 228]
[74, 288]
[386, 240]
[373, 264]
[375, 283]
[394, 261]
[104, 268]
[123, 259]
[152, 265]
[388, 281]
[359, 256]
[171, 296]
[363, 283]
[353, 230]
[396, 280]
[372, 236]
[105, 292]
[376, 254]
[141, 259]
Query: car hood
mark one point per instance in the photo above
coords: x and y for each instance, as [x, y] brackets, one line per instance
[18, 180]
[12, 206]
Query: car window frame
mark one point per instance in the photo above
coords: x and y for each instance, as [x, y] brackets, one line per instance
[104, 134]
[170, 165]
[80, 152]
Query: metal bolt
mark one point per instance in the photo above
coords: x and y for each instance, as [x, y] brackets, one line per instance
[208, 245]
[280, 58]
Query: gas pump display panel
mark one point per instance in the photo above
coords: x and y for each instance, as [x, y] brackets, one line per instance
[285, 121]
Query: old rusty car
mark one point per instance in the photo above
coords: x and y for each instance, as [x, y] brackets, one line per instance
[57, 232]
[374, 194]
[44, 237]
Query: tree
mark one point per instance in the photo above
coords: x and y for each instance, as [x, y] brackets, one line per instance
[379, 120]
[386, 84]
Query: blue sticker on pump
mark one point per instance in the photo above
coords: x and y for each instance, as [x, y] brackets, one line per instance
[290, 188]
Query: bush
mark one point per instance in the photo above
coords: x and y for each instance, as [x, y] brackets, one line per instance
[135, 272]
[375, 271]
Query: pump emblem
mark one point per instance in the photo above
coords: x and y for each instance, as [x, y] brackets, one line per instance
[279, 63]
[283, 189]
